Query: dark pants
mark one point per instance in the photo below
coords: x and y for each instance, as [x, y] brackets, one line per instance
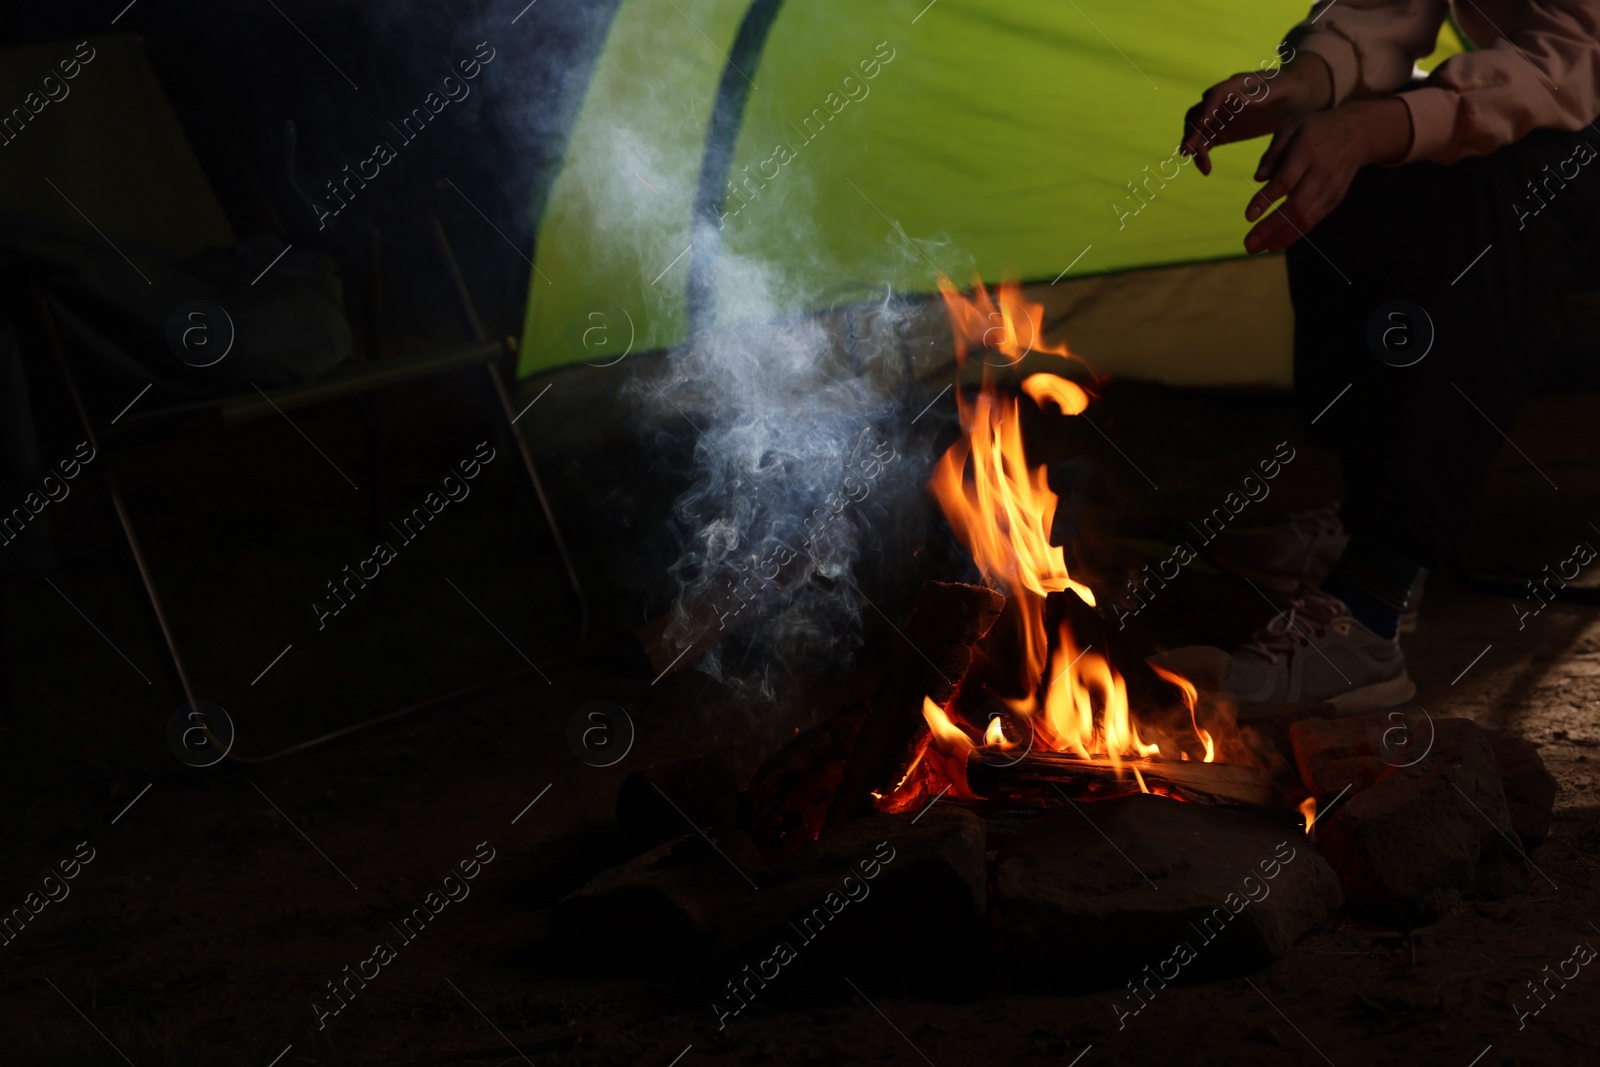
[1416, 441]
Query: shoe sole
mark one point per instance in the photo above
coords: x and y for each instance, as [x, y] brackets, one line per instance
[1396, 690]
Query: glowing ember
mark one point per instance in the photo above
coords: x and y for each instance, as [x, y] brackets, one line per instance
[1002, 510]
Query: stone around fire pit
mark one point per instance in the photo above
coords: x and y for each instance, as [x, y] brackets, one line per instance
[877, 887]
[1419, 836]
[1530, 787]
[887, 888]
[653, 802]
[1348, 753]
[1150, 874]
[666, 903]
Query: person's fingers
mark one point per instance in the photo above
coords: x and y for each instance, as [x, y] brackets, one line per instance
[1286, 180]
[1194, 138]
[1272, 233]
[1194, 143]
[1269, 158]
[1295, 217]
[1266, 196]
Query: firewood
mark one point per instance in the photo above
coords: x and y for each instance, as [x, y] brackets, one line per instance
[654, 801]
[788, 799]
[933, 654]
[1228, 784]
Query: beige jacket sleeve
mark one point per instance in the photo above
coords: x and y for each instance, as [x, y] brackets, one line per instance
[1543, 72]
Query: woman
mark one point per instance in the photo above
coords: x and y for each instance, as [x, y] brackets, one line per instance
[1432, 227]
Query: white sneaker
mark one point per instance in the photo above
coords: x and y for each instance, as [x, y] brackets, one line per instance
[1298, 552]
[1315, 651]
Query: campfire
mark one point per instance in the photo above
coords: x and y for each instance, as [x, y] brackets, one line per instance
[1037, 780]
[1043, 710]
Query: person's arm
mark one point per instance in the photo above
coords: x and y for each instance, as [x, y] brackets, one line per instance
[1344, 50]
[1546, 76]
[1370, 46]
[1313, 162]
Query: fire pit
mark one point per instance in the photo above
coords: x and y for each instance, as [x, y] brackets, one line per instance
[1024, 701]
[1024, 783]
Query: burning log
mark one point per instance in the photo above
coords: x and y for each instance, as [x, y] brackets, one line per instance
[946, 622]
[997, 774]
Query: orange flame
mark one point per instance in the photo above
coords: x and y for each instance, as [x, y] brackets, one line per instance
[1068, 396]
[995, 735]
[1002, 510]
[1008, 323]
[950, 738]
[1080, 683]
[1190, 696]
[1308, 808]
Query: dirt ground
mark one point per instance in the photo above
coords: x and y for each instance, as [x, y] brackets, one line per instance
[220, 902]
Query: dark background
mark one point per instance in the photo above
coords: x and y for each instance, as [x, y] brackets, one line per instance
[221, 900]
[266, 113]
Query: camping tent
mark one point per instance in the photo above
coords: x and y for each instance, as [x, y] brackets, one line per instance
[737, 159]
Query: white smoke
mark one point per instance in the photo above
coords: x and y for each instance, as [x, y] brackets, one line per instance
[801, 456]
[793, 414]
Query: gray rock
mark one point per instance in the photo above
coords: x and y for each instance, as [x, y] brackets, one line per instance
[665, 903]
[1410, 844]
[877, 884]
[653, 802]
[1135, 876]
[1348, 753]
[1529, 785]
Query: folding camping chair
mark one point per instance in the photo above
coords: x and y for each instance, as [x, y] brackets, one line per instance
[350, 380]
[176, 207]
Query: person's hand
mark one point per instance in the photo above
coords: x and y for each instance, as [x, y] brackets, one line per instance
[1312, 163]
[1252, 104]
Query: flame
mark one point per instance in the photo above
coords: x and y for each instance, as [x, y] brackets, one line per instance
[1308, 808]
[1190, 696]
[950, 738]
[1080, 683]
[1008, 323]
[939, 767]
[994, 736]
[1003, 510]
[1068, 396]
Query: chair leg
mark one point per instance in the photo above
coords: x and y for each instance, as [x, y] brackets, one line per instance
[370, 405]
[177, 676]
[532, 470]
[8, 678]
[469, 313]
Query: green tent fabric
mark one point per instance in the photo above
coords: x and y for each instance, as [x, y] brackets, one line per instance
[835, 152]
